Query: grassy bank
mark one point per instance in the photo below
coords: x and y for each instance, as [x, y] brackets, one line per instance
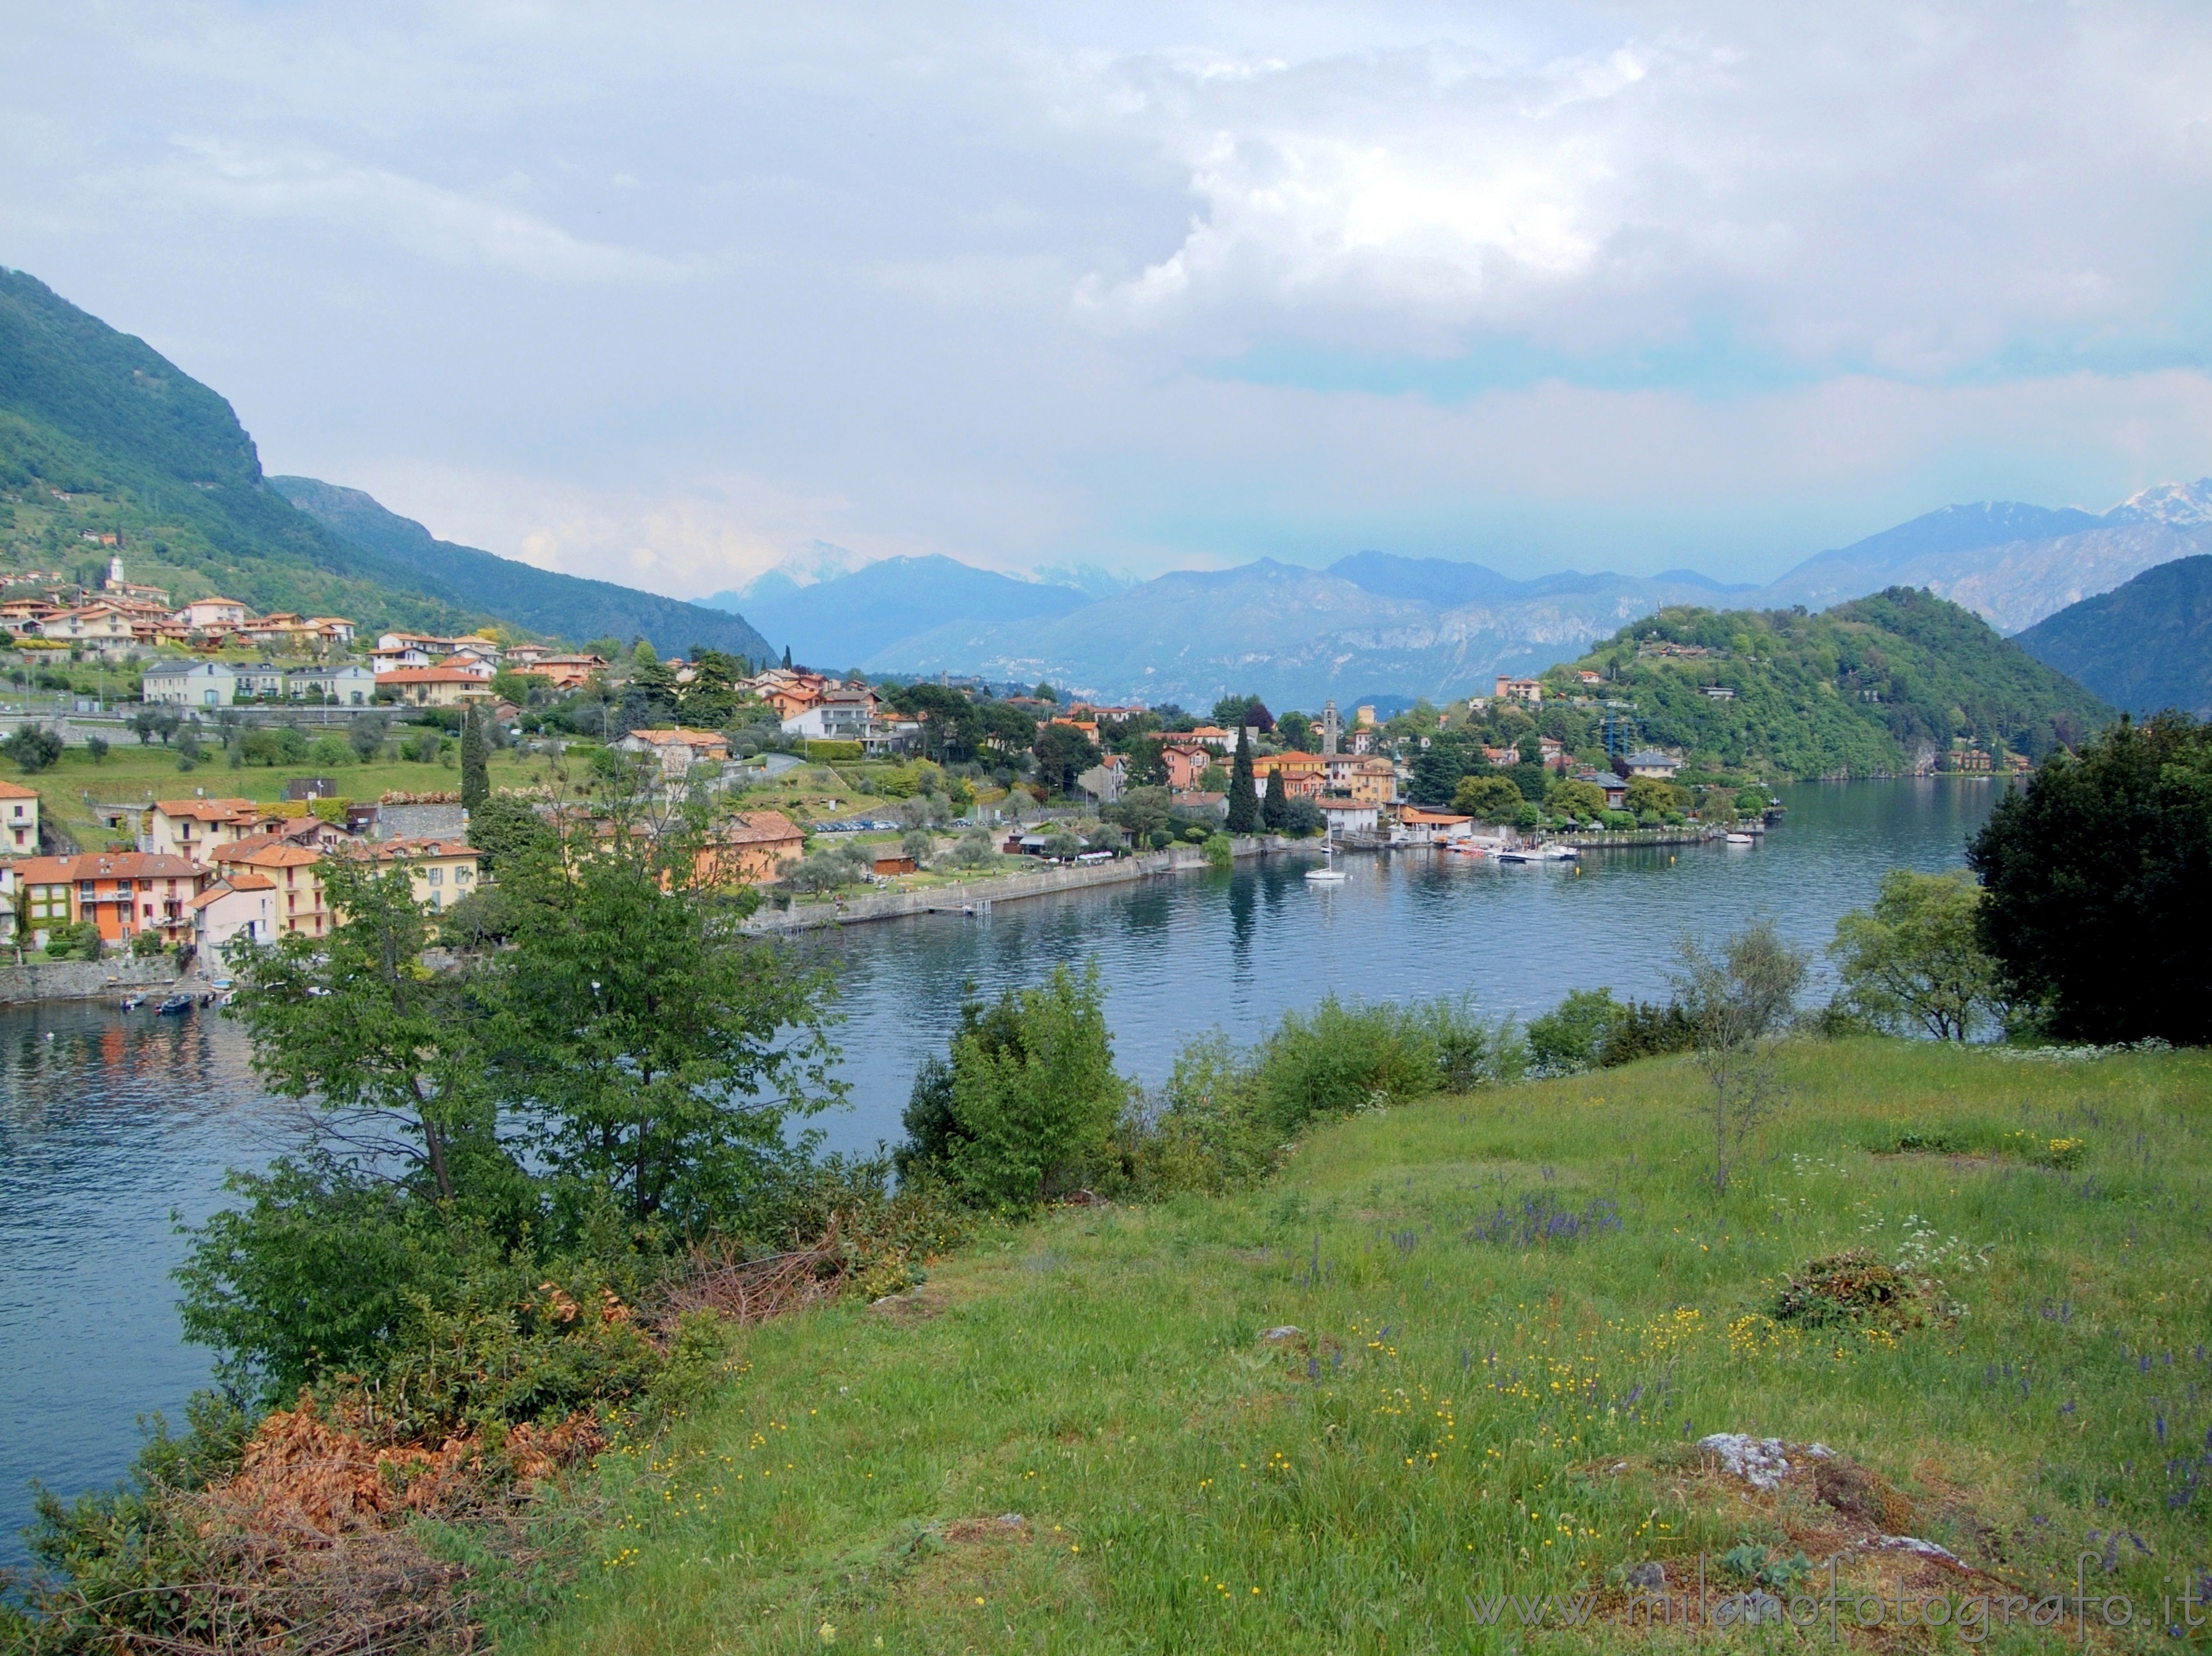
[1514, 1312]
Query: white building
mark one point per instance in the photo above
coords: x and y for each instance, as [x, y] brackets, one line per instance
[840, 715]
[19, 821]
[350, 686]
[190, 684]
[240, 905]
[210, 615]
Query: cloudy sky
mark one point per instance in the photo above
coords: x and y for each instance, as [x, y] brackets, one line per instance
[667, 292]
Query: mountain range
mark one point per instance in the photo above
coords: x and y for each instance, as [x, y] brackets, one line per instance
[101, 435]
[1376, 625]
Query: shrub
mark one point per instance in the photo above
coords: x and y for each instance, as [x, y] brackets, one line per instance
[1220, 851]
[1844, 1288]
[1350, 1056]
[74, 940]
[1568, 1037]
[1025, 1107]
[1646, 1029]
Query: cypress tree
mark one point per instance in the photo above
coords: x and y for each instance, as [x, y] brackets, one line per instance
[1276, 804]
[1243, 802]
[475, 761]
[787, 656]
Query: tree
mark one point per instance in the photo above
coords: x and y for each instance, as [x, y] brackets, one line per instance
[951, 725]
[503, 828]
[1491, 798]
[1737, 1002]
[95, 748]
[365, 732]
[1032, 1097]
[2097, 886]
[34, 748]
[1044, 692]
[1141, 810]
[1006, 730]
[476, 760]
[1915, 961]
[1063, 753]
[1295, 730]
[353, 1020]
[1649, 793]
[917, 844]
[1273, 809]
[1585, 800]
[655, 1050]
[1243, 802]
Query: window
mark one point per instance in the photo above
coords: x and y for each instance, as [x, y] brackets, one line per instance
[436, 876]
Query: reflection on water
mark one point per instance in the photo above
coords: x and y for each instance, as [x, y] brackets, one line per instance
[120, 1119]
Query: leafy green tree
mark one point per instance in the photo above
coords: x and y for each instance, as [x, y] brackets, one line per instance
[504, 827]
[1044, 692]
[34, 748]
[365, 733]
[1033, 1094]
[656, 1049]
[354, 1022]
[476, 760]
[1295, 732]
[2096, 883]
[1141, 810]
[1491, 798]
[1649, 793]
[95, 748]
[1243, 801]
[1584, 800]
[1063, 753]
[951, 725]
[1007, 730]
[1915, 960]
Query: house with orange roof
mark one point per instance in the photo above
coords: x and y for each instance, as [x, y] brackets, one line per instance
[567, 672]
[242, 904]
[1185, 761]
[19, 820]
[1303, 773]
[678, 749]
[441, 871]
[751, 848]
[292, 870]
[210, 615]
[1420, 826]
[192, 828]
[434, 687]
[123, 893]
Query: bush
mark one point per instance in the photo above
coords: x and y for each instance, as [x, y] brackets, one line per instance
[1569, 1036]
[328, 752]
[1641, 1030]
[1358, 1055]
[1220, 851]
[145, 945]
[73, 940]
[1023, 1109]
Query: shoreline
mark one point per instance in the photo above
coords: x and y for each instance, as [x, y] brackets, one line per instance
[973, 897]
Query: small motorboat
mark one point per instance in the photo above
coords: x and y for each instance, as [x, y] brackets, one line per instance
[176, 1006]
[132, 1003]
[1741, 839]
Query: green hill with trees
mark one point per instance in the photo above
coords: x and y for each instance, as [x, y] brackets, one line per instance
[2145, 646]
[101, 435]
[1883, 684]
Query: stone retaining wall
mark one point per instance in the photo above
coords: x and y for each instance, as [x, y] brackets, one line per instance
[84, 979]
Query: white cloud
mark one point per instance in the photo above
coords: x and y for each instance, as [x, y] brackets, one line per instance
[666, 293]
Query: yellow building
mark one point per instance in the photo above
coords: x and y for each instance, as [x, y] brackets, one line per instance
[441, 872]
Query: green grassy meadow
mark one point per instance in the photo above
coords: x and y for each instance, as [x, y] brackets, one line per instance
[1482, 1398]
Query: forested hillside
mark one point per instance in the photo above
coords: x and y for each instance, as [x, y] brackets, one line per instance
[1882, 684]
[2143, 646]
[541, 600]
[102, 434]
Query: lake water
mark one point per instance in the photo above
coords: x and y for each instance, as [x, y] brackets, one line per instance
[111, 1121]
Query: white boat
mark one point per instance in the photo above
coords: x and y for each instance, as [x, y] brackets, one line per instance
[1741, 839]
[1325, 875]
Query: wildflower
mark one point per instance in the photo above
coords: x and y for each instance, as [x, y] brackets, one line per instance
[828, 1634]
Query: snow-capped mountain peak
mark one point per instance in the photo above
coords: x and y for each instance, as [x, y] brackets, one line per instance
[2184, 505]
